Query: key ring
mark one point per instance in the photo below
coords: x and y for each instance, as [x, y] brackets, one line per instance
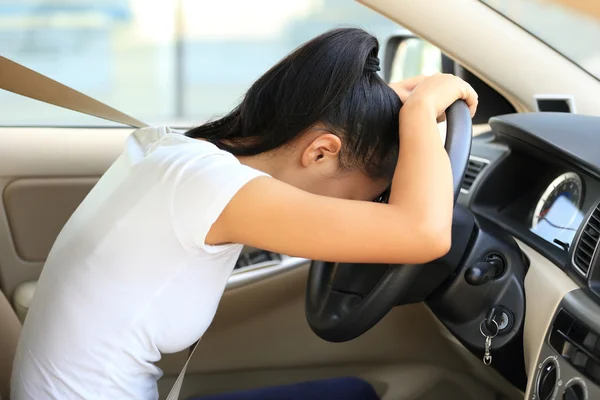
[489, 336]
[487, 356]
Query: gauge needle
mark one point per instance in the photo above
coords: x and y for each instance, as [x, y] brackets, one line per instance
[555, 225]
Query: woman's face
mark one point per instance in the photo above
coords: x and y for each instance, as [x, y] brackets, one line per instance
[353, 185]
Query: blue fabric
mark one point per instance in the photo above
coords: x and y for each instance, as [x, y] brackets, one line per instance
[328, 389]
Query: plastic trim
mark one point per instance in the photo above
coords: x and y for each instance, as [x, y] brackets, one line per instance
[254, 273]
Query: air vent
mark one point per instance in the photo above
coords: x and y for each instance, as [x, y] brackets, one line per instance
[474, 168]
[577, 344]
[586, 246]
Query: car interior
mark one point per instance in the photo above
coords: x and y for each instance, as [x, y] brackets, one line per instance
[511, 312]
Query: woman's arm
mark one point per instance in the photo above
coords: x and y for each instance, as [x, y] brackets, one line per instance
[414, 227]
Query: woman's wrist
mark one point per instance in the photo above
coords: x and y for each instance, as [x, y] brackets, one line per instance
[416, 118]
[418, 108]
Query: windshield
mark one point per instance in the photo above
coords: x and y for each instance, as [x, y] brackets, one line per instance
[570, 27]
[175, 62]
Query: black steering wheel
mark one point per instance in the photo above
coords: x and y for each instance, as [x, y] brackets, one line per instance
[343, 301]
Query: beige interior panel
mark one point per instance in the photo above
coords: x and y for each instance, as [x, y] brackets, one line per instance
[545, 286]
[59, 152]
[475, 35]
[44, 174]
[37, 210]
[261, 330]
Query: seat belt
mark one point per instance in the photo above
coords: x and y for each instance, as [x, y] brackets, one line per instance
[16, 78]
[174, 393]
[23, 81]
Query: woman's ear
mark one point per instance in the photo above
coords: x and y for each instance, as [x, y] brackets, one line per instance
[324, 149]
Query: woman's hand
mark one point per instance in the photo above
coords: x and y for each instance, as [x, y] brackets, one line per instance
[404, 88]
[439, 91]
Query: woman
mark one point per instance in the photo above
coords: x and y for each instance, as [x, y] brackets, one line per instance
[140, 267]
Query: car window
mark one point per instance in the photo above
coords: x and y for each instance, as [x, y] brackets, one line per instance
[572, 27]
[177, 62]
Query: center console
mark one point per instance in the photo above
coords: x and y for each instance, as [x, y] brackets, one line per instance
[568, 367]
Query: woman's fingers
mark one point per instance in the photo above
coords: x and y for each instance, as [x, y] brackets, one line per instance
[472, 99]
[440, 86]
[441, 90]
[411, 83]
[404, 88]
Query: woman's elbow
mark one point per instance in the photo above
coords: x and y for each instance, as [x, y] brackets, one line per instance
[438, 237]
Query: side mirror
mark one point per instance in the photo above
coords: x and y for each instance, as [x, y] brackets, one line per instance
[407, 55]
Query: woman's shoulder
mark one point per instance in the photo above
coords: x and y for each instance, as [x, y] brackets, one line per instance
[149, 140]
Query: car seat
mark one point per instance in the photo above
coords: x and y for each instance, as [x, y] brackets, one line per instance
[10, 329]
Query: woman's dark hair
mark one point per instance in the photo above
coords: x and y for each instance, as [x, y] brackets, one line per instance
[331, 80]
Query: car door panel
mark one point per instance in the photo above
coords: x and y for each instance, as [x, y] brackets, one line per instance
[44, 175]
[36, 210]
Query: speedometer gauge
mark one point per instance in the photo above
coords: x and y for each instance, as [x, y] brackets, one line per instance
[567, 189]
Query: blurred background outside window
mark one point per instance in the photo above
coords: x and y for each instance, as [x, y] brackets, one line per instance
[177, 62]
[181, 62]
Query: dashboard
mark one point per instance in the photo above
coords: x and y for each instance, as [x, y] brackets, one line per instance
[537, 177]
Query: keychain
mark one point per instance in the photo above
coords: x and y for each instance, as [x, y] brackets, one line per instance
[487, 356]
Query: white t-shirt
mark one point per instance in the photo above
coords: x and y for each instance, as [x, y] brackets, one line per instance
[130, 277]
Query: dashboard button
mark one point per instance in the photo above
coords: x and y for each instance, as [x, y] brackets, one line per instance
[590, 341]
[568, 350]
[580, 359]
